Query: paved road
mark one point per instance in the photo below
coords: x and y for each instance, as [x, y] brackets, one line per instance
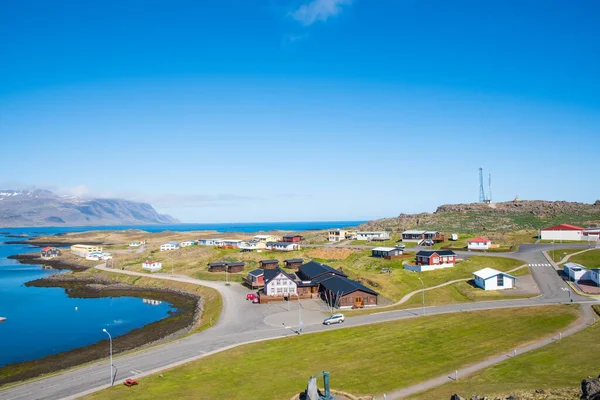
[242, 322]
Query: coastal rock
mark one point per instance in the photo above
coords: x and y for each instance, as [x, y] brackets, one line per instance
[590, 389]
[456, 397]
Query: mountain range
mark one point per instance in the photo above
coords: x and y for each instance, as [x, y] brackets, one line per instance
[45, 208]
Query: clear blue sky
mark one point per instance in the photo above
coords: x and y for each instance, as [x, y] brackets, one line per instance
[270, 110]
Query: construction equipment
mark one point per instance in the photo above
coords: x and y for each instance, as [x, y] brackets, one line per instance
[313, 393]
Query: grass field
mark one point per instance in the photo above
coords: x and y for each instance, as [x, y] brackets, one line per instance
[562, 364]
[589, 259]
[559, 254]
[395, 357]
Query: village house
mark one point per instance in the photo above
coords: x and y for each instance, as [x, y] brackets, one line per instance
[236, 266]
[478, 244]
[187, 243]
[50, 252]
[346, 293]
[293, 238]
[268, 264]
[337, 235]
[169, 246]
[266, 238]
[152, 266]
[285, 246]
[428, 260]
[220, 266]
[591, 234]
[562, 232]
[388, 253]
[373, 236]
[230, 244]
[209, 242]
[82, 250]
[253, 245]
[135, 244]
[413, 236]
[577, 272]
[293, 263]
[279, 283]
[491, 279]
[255, 279]
[313, 270]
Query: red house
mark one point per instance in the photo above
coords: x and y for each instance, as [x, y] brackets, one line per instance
[293, 238]
[255, 279]
[436, 257]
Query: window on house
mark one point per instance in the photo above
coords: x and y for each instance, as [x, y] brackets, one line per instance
[500, 280]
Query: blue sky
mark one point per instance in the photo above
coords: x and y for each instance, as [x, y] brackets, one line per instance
[271, 110]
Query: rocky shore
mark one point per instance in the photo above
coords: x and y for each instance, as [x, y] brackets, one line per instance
[55, 244]
[55, 263]
[189, 310]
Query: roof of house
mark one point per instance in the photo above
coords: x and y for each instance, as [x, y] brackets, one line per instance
[341, 286]
[429, 253]
[269, 261]
[314, 269]
[370, 232]
[479, 240]
[294, 260]
[272, 273]
[409, 232]
[217, 264]
[563, 227]
[232, 240]
[574, 266]
[291, 236]
[257, 272]
[46, 248]
[283, 244]
[384, 249]
[207, 239]
[150, 262]
[171, 243]
[236, 264]
[432, 232]
[263, 236]
[487, 273]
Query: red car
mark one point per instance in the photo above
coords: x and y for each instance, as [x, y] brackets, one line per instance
[251, 296]
[256, 300]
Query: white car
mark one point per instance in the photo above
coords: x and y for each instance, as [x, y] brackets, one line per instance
[334, 319]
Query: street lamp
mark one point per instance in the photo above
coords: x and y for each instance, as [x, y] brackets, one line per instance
[299, 313]
[111, 362]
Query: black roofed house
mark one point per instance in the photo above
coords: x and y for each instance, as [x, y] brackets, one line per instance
[293, 263]
[234, 267]
[220, 266]
[293, 238]
[342, 292]
[312, 270]
[50, 252]
[255, 279]
[279, 283]
[387, 252]
[268, 264]
[427, 260]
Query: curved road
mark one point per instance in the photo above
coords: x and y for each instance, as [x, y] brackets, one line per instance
[241, 322]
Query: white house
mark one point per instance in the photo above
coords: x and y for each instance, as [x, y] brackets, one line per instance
[209, 242]
[94, 255]
[337, 235]
[478, 244]
[230, 243]
[169, 246]
[151, 266]
[372, 236]
[252, 245]
[135, 244]
[595, 275]
[187, 243]
[591, 234]
[285, 246]
[491, 279]
[266, 238]
[563, 232]
[576, 272]
[279, 283]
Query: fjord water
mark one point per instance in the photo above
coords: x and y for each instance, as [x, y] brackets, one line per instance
[45, 321]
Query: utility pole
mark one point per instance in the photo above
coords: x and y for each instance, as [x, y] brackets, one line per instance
[111, 362]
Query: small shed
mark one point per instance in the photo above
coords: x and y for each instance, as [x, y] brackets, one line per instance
[387, 252]
[293, 263]
[491, 279]
[151, 266]
[236, 266]
[220, 266]
[577, 272]
[479, 244]
[268, 264]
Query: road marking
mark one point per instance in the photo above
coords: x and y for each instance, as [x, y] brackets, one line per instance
[565, 289]
[136, 372]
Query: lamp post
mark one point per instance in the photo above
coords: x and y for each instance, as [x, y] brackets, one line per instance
[111, 362]
[299, 314]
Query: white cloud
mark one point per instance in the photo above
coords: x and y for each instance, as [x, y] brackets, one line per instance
[318, 10]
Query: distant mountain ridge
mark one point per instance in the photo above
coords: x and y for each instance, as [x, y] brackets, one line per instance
[494, 217]
[45, 208]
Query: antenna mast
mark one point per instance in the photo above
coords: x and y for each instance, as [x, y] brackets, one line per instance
[490, 188]
[481, 191]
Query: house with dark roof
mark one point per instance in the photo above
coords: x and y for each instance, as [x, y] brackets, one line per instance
[268, 264]
[386, 252]
[50, 252]
[234, 267]
[313, 270]
[339, 291]
[293, 263]
[292, 238]
[220, 266]
[255, 279]
[279, 283]
[427, 260]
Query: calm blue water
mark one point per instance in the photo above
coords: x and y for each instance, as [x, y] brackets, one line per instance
[44, 321]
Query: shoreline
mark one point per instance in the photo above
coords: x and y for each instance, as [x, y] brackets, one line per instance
[57, 264]
[189, 307]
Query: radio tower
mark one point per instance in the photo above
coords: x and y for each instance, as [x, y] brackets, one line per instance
[481, 191]
[490, 188]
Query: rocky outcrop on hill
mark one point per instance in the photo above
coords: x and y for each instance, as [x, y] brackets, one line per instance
[44, 208]
[590, 389]
[493, 217]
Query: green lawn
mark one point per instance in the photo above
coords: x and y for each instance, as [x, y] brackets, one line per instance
[562, 364]
[589, 259]
[558, 254]
[366, 269]
[396, 356]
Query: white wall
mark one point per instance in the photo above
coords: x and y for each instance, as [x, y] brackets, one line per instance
[492, 283]
[287, 287]
[422, 268]
[562, 235]
[478, 246]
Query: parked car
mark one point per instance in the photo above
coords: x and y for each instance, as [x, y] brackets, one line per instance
[256, 300]
[334, 319]
[251, 296]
